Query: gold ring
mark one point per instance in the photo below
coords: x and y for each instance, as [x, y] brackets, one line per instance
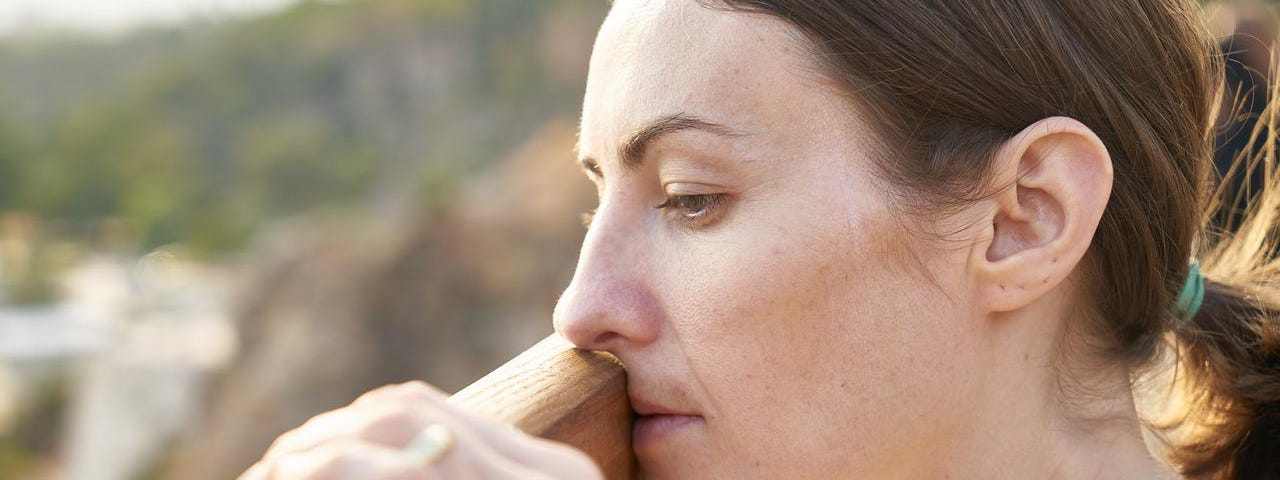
[430, 444]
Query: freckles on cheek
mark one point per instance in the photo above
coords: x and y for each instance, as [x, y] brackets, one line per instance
[779, 308]
[839, 294]
[796, 290]
[734, 306]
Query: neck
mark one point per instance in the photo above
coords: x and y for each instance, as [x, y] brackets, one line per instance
[1052, 416]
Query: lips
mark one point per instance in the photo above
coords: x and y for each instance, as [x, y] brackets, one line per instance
[655, 421]
[643, 406]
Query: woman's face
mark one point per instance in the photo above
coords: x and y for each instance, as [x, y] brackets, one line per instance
[773, 301]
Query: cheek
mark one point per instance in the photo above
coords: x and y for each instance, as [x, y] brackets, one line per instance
[818, 330]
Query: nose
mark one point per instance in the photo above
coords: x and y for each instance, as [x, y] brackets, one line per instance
[610, 304]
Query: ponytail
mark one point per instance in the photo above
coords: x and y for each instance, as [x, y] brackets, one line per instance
[1229, 365]
[1228, 352]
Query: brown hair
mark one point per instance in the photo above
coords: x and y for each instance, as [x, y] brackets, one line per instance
[950, 80]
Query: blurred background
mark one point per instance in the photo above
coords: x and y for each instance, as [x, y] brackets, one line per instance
[221, 217]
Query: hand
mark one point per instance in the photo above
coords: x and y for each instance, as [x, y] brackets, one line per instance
[366, 440]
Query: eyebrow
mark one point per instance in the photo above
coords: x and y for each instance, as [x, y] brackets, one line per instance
[631, 153]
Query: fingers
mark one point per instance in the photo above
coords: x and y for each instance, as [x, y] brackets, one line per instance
[350, 459]
[347, 459]
[384, 415]
[559, 460]
[389, 425]
[366, 440]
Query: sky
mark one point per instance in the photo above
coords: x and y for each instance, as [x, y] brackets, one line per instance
[109, 17]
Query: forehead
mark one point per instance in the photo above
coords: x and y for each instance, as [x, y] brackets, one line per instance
[660, 57]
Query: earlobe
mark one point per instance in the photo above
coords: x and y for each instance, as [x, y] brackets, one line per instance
[1056, 177]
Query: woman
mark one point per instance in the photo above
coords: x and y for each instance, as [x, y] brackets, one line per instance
[876, 239]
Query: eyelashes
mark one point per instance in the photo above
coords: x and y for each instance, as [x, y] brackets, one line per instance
[690, 211]
[693, 210]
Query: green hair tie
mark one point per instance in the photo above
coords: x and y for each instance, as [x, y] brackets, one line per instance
[1192, 293]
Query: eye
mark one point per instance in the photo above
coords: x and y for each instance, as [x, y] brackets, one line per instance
[591, 167]
[695, 210]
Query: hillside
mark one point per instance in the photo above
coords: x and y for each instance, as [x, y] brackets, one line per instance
[202, 135]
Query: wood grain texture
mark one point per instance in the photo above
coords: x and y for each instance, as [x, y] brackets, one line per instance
[555, 391]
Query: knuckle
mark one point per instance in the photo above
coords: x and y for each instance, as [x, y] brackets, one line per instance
[388, 424]
[285, 439]
[258, 471]
[310, 465]
[315, 421]
[376, 394]
[416, 385]
[415, 390]
[298, 435]
[325, 463]
[331, 461]
[393, 414]
[421, 387]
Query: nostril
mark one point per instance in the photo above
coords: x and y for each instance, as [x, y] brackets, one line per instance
[589, 332]
[603, 340]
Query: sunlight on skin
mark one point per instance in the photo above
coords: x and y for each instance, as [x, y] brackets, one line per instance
[777, 300]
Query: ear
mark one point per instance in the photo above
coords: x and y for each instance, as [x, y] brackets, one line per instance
[1058, 177]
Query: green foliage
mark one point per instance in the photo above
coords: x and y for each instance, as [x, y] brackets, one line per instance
[219, 131]
[12, 165]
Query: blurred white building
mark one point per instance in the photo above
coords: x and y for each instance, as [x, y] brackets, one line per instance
[137, 340]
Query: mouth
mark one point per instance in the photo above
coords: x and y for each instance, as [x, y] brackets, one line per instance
[655, 422]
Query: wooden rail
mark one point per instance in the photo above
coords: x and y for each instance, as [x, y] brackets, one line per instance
[555, 391]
